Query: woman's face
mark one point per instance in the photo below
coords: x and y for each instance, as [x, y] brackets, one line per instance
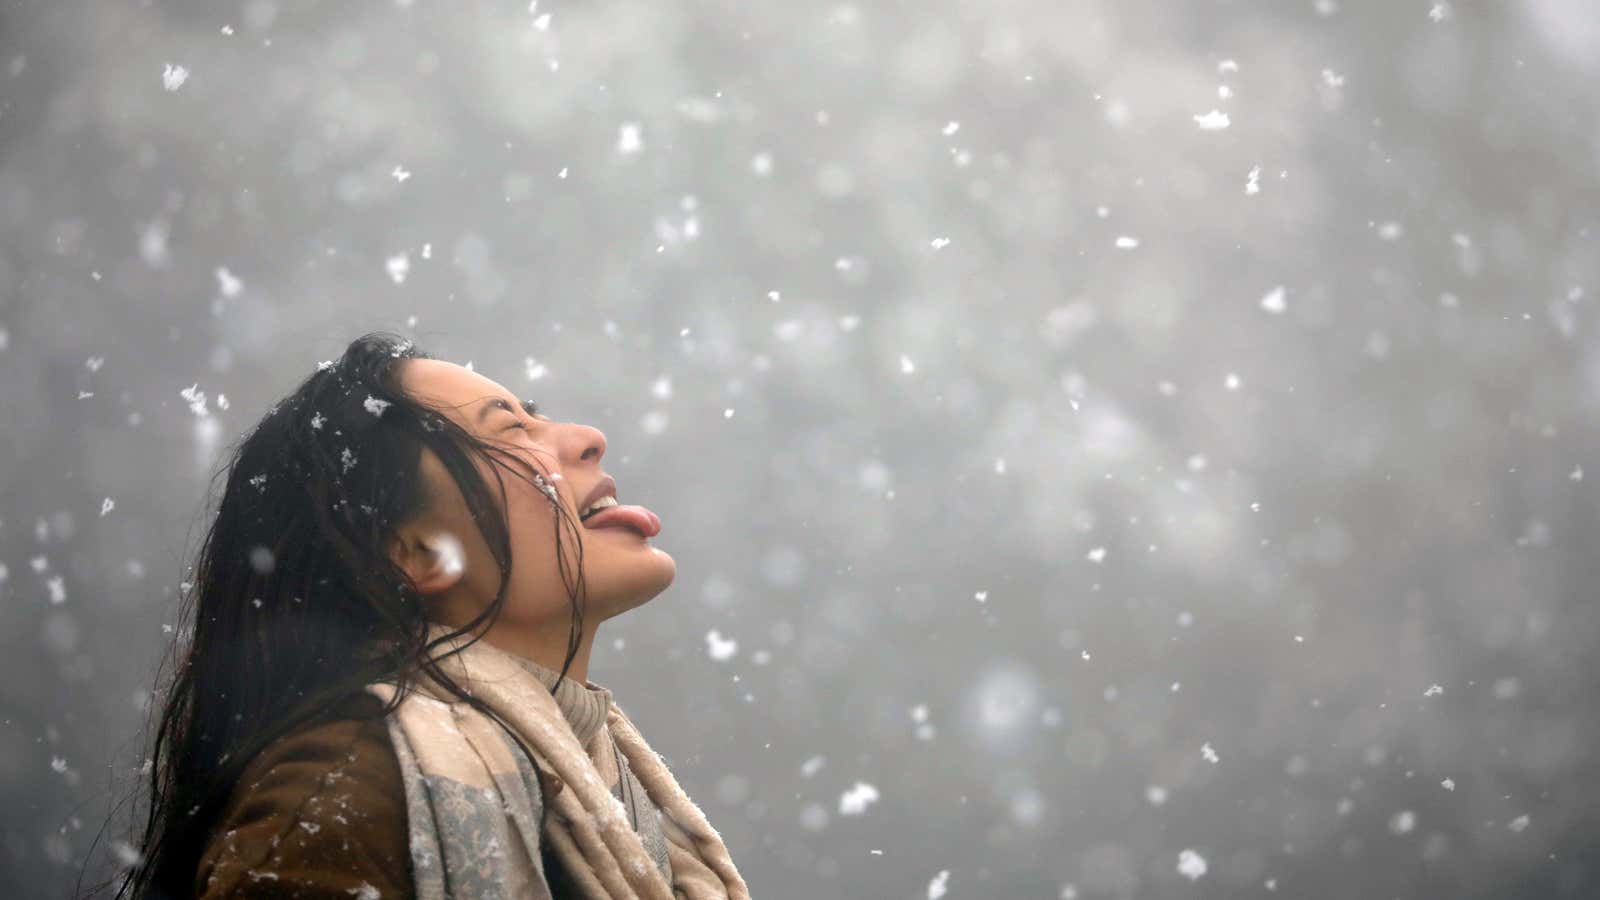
[621, 568]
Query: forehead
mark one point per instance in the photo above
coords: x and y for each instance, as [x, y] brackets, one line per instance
[445, 384]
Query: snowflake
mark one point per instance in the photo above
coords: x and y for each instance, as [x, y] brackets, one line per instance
[856, 800]
[1191, 865]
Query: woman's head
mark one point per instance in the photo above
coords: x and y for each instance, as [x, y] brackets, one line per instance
[452, 564]
[388, 490]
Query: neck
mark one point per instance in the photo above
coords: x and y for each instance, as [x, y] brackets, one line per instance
[546, 646]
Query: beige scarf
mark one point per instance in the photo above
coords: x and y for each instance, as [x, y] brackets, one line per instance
[475, 803]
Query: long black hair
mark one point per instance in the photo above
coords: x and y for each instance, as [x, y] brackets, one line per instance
[295, 602]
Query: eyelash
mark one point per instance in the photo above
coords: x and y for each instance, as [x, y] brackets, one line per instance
[528, 406]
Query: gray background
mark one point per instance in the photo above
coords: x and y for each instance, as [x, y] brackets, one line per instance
[1197, 519]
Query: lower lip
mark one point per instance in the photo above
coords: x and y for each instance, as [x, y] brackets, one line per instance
[636, 518]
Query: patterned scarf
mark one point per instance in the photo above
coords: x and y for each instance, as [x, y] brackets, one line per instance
[475, 804]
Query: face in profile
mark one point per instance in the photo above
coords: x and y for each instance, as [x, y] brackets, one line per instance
[449, 558]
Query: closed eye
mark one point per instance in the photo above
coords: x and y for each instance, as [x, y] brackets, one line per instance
[528, 406]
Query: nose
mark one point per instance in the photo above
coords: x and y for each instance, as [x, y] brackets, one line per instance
[584, 442]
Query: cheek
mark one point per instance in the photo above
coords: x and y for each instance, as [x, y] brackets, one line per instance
[533, 520]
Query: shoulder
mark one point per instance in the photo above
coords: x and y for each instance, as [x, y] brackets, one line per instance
[321, 811]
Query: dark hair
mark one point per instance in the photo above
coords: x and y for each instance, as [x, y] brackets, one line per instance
[295, 602]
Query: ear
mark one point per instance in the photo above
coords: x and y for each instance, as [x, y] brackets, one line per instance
[432, 558]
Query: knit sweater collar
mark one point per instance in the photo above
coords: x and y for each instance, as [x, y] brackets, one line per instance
[585, 705]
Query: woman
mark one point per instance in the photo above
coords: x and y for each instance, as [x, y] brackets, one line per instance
[340, 726]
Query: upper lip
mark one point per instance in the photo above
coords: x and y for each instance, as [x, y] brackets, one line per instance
[605, 487]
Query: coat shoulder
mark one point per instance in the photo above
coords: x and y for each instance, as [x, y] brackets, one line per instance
[320, 812]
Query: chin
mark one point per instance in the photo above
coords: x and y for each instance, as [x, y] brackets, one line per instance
[628, 583]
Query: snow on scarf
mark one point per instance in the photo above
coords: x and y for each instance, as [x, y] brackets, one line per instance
[474, 806]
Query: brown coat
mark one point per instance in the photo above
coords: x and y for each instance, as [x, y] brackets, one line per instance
[321, 814]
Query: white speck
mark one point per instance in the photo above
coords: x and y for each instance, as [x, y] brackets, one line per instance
[107, 505]
[222, 401]
[906, 365]
[316, 421]
[1224, 92]
[84, 395]
[364, 891]
[227, 283]
[563, 172]
[1518, 824]
[1191, 865]
[1231, 382]
[1403, 822]
[174, 76]
[1096, 555]
[1252, 183]
[58, 764]
[1326, 8]
[1299, 639]
[310, 827]
[1433, 691]
[196, 398]
[1126, 242]
[534, 370]
[400, 174]
[1228, 65]
[628, 140]
[761, 164]
[1448, 784]
[981, 596]
[1576, 474]
[374, 405]
[720, 649]
[1185, 619]
[58, 590]
[1216, 120]
[812, 766]
[398, 267]
[1332, 79]
[856, 800]
[1440, 12]
[1273, 302]
[427, 253]
[94, 363]
[727, 412]
[542, 23]
[347, 460]
[940, 243]
[1155, 795]
[1391, 231]
[1208, 754]
[951, 128]
[936, 887]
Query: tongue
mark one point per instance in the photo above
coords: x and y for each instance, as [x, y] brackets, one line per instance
[638, 518]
